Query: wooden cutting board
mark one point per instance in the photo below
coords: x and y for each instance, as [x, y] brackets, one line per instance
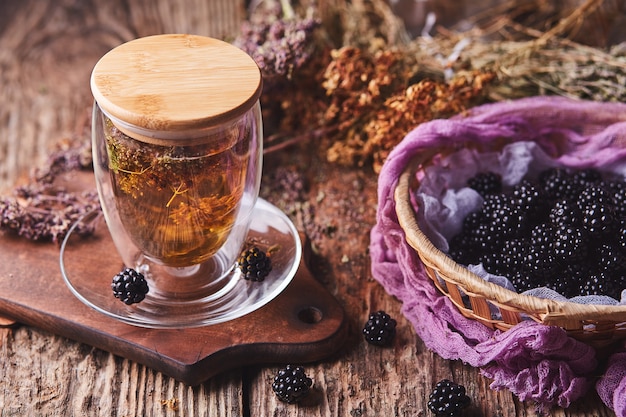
[303, 324]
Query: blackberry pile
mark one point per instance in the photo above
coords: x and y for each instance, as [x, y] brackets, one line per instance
[565, 230]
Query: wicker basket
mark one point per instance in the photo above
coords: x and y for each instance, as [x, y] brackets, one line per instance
[597, 325]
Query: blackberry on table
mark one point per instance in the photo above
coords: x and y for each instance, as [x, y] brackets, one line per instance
[380, 329]
[255, 264]
[448, 399]
[291, 384]
[129, 286]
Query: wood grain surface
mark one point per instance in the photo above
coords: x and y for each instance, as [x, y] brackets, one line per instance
[47, 51]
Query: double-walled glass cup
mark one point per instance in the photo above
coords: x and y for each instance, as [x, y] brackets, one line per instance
[177, 150]
[179, 207]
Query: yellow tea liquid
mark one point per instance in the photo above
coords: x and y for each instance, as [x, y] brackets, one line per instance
[177, 204]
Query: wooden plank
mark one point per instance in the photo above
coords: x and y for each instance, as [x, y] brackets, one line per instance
[47, 50]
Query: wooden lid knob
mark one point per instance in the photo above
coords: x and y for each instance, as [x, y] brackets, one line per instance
[175, 84]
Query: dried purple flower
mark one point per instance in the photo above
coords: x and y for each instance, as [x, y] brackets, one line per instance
[42, 211]
[278, 47]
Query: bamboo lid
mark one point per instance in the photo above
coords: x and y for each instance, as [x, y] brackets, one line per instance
[168, 86]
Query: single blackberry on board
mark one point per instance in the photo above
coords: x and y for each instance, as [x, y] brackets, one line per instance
[291, 384]
[129, 286]
[255, 264]
[486, 183]
[448, 399]
[380, 329]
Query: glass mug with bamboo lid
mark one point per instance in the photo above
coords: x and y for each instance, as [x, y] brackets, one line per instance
[177, 148]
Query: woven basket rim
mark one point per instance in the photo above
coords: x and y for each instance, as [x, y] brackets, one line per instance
[550, 311]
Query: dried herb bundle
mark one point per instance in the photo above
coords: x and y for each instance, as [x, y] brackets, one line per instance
[42, 210]
[366, 83]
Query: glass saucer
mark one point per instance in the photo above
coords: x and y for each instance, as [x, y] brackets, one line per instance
[88, 265]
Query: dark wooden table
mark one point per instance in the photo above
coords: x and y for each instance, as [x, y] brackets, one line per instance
[47, 50]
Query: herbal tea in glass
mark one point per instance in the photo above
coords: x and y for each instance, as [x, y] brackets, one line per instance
[178, 204]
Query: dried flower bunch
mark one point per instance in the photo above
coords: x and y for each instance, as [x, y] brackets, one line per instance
[355, 101]
[277, 40]
[42, 210]
[360, 82]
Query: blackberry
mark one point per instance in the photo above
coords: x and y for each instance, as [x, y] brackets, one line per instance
[486, 183]
[448, 399]
[540, 266]
[129, 286]
[570, 244]
[557, 184]
[565, 211]
[493, 203]
[484, 239]
[618, 195]
[603, 283]
[598, 219]
[255, 264]
[620, 236]
[291, 384]
[530, 198]
[508, 221]
[462, 249]
[520, 281]
[568, 281]
[586, 177]
[380, 329]
[515, 252]
[610, 258]
[542, 237]
[594, 195]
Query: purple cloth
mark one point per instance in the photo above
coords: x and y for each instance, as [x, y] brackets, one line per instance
[534, 361]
